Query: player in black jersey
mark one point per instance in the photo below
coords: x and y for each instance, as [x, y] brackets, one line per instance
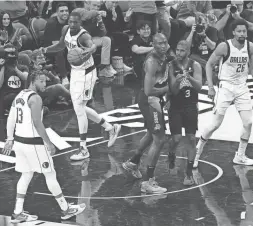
[149, 100]
[185, 81]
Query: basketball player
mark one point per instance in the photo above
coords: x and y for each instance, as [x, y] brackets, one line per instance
[236, 64]
[33, 149]
[185, 80]
[149, 101]
[82, 82]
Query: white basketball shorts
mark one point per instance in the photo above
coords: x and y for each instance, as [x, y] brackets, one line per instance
[32, 158]
[230, 93]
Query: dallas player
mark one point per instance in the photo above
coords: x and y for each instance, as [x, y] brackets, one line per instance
[235, 57]
[185, 83]
[82, 82]
[33, 149]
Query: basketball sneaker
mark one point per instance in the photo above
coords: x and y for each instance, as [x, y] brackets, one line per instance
[242, 160]
[132, 168]
[23, 217]
[151, 186]
[72, 210]
[83, 154]
[113, 134]
[188, 181]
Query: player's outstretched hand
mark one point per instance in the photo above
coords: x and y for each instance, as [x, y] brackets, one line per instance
[8, 147]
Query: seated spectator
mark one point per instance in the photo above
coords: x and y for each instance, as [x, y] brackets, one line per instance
[223, 25]
[144, 10]
[8, 33]
[55, 92]
[52, 35]
[188, 10]
[16, 10]
[14, 77]
[95, 26]
[115, 24]
[141, 46]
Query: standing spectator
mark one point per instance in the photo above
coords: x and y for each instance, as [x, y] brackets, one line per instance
[141, 46]
[188, 10]
[115, 24]
[202, 39]
[93, 23]
[52, 35]
[225, 21]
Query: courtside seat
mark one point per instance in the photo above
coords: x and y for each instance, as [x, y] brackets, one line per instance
[37, 26]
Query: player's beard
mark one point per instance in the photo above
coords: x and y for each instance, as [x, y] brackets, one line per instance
[241, 40]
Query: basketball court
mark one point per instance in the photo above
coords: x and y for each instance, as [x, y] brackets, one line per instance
[222, 194]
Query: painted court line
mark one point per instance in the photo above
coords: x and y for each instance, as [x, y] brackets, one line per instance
[220, 173]
[72, 150]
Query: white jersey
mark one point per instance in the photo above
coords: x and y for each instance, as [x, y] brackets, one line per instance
[24, 123]
[72, 42]
[235, 68]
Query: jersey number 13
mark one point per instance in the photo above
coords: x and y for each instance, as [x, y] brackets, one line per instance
[19, 118]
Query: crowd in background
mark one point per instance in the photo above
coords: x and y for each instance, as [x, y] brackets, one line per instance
[121, 30]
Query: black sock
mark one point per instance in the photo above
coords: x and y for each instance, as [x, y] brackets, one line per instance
[136, 159]
[150, 172]
[83, 136]
[189, 168]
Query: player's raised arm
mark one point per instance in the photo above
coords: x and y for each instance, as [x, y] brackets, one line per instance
[58, 46]
[86, 41]
[35, 103]
[151, 67]
[216, 56]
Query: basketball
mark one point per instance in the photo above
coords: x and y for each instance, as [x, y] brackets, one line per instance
[77, 57]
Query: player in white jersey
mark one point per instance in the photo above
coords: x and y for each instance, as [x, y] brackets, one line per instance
[82, 82]
[235, 56]
[33, 149]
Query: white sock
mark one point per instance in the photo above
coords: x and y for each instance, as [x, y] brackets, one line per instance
[19, 205]
[108, 126]
[83, 143]
[62, 202]
[242, 147]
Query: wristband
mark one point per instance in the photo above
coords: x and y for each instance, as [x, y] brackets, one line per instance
[10, 139]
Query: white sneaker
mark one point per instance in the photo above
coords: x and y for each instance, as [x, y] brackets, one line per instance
[73, 210]
[242, 160]
[65, 81]
[23, 217]
[127, 69]
[112, 70]
[106, 72]
[151, 186]
[83, 154]
[113, 134]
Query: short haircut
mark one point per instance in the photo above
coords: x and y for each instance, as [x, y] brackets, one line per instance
[75, 14]
[184, 43]
[142, 23]
[238, 22]
[34, 75]
[61, 4]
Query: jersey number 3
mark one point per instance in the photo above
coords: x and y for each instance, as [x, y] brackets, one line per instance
[240, 68]
[19, 115]
[187, 93]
